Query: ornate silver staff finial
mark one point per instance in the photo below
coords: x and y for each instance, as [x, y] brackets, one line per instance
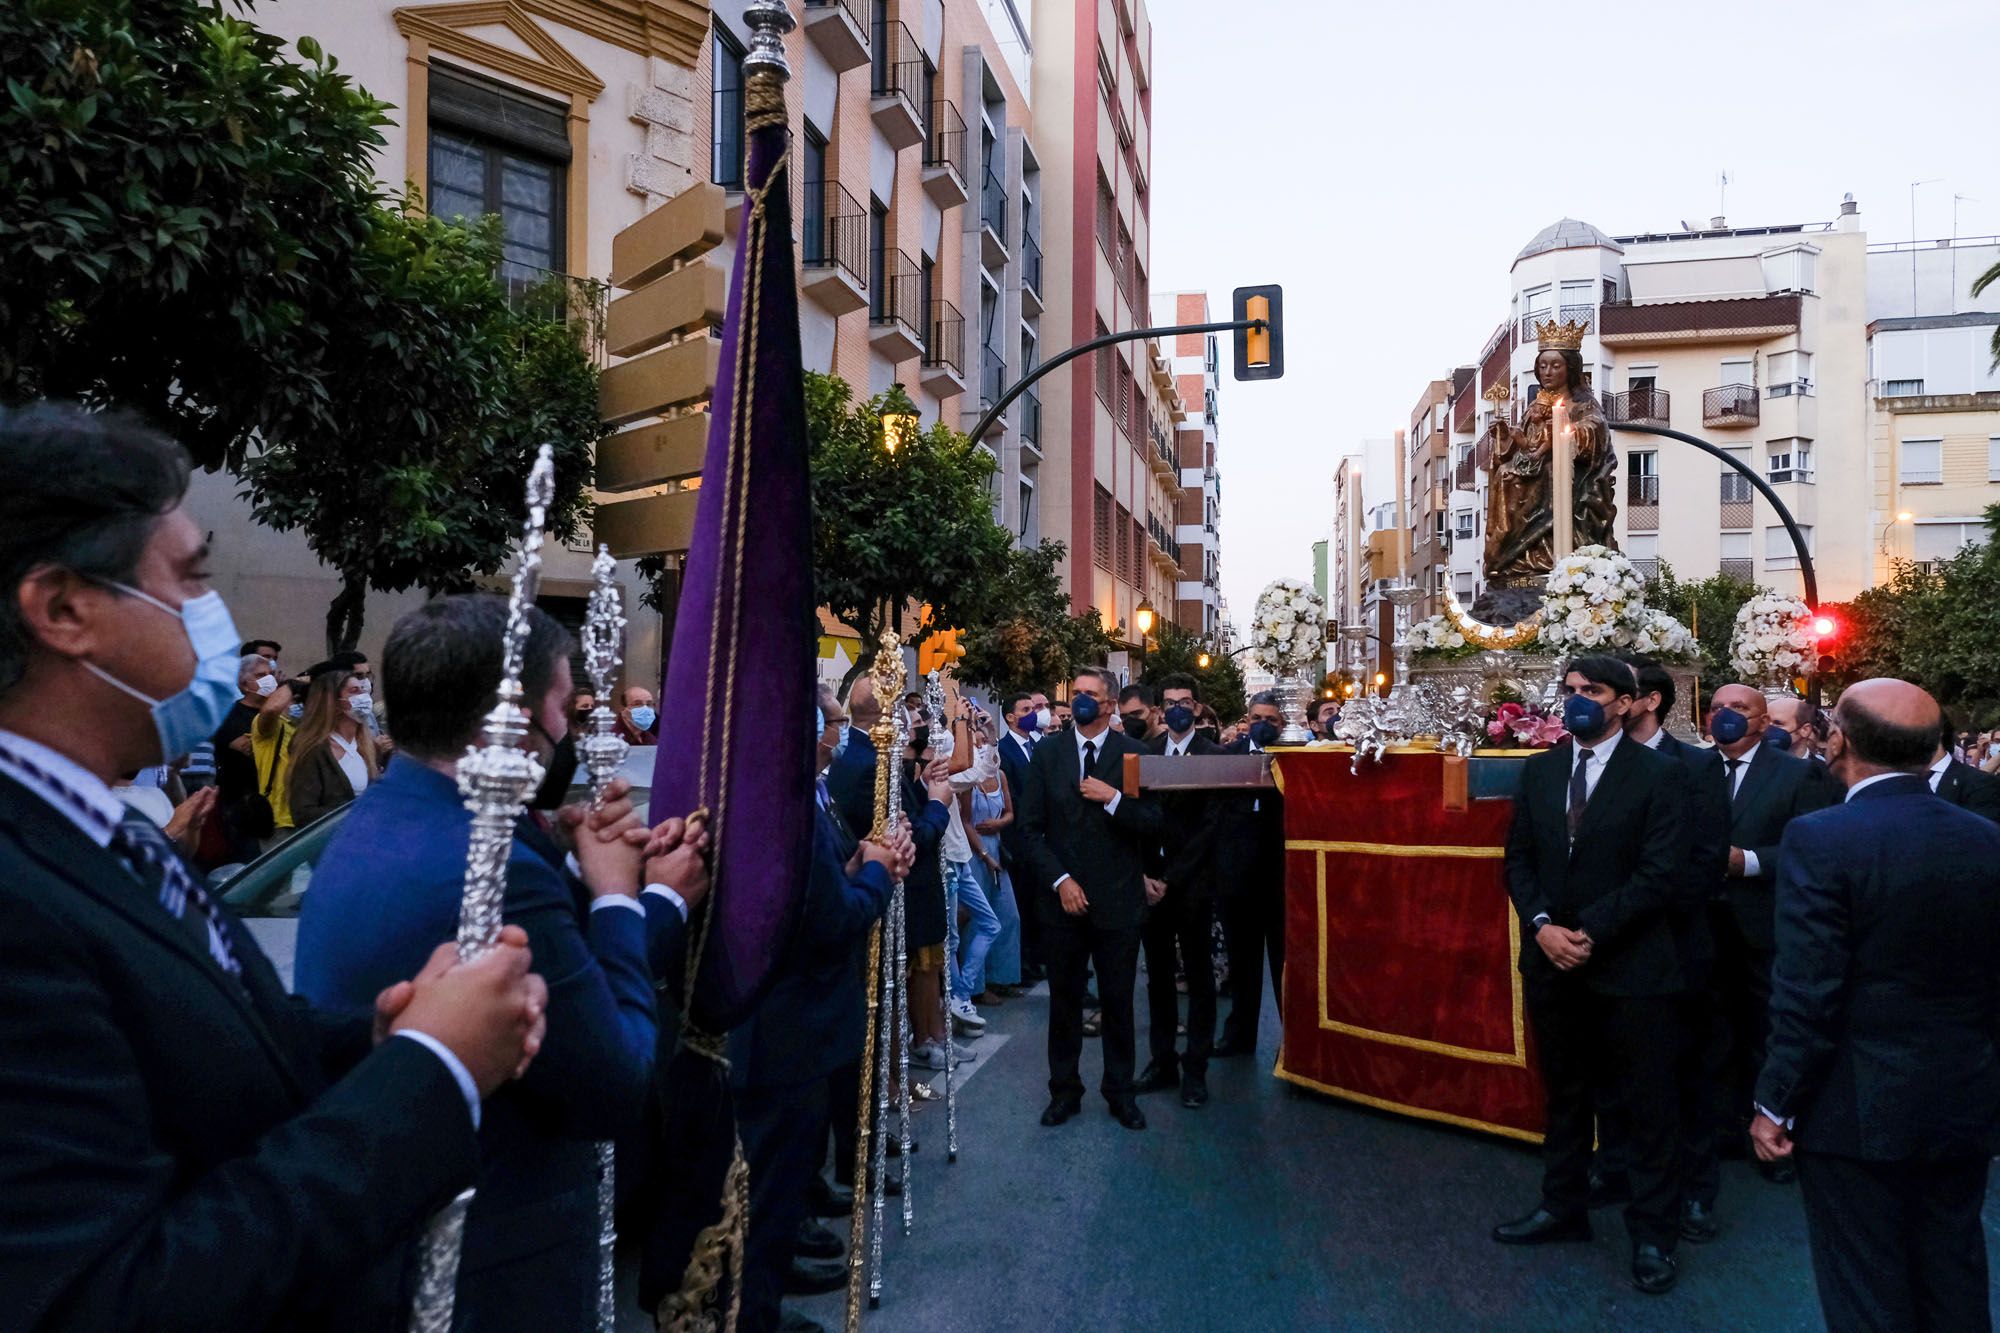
[603, 753]
[934, 703]
[769, 21]
[496, 778]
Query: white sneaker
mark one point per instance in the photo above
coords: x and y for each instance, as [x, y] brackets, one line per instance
[967, 1017]
[930, 1055]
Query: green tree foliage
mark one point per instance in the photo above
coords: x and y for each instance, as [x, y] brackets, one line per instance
[1979, 285]
[418, 480]
[894, 530]
[1708, 607]
[1176, 651]
[191, 229]
[1030, 640]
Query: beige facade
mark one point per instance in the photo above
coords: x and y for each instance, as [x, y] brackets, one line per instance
[1195, 363]
[580, 114]
[1934, 435]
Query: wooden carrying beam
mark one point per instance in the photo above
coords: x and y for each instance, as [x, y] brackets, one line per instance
[1196, 772]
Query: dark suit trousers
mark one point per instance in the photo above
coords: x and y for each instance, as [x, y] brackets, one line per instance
[1072, 944]
[1579, 1032]
[1186, 920]
[1897, 1245]
[843, 1101]
[1742, 990]
[784, 1139]
[1253, 923]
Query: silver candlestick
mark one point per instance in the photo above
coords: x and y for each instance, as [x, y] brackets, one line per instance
[934, 701]
[496, 778]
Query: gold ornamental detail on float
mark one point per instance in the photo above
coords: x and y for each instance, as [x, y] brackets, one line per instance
[1483, 635]
[1566, 336]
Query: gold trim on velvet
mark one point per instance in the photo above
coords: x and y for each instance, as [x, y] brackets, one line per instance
[1518, 1057]
[1421, 1113]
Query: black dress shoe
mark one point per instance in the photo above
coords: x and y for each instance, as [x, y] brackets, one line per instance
[1156, 1077]
[1653, 1270]
[826, 1199]
[1128, 1114]
[1543, 1227]
[1090, 1000]
[1781, 1172]
[817, 1242]
[815, 1277]
[1061, 1109]
[1608, 1191]
[1194, 1091]
[1698, 1222]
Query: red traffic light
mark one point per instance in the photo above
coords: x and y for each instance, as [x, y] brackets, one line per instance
[1824, 626]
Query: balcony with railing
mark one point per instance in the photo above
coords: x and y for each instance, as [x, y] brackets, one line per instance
[993, 219]
[1737, 567]
[896, 317]
[833, 248]
[944, 350]
[1638, 407]
[1030, 404]
[1642, 504]
[839, 30]
[992, 377]
[897, 87]
[1161, 455]
[578, 302]
[944, 156]
[1165, 548]
[1723, 319]
[1031, 276]
[1730, 405]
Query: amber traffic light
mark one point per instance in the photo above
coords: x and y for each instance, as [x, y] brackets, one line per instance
[1260, 351]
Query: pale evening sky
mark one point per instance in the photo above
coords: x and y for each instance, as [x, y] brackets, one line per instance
[1384, 162]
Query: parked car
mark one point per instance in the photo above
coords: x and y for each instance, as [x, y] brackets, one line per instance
[269, 892]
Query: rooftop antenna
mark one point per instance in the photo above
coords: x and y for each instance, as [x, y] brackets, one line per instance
[1722, 193]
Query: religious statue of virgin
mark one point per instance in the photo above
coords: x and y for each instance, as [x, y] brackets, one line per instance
[1520, 518]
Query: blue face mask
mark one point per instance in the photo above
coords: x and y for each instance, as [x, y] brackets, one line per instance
[840, 746]
[1179, 718]
[191, 714]
[1728, 726]
[643, 717]
[1583, 716]
[1778, 738]
[1265, 734]
[1084, 709]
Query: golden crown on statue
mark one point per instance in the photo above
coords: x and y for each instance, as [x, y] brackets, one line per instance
[1564, 337]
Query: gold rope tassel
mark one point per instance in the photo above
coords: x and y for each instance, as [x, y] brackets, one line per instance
[692, 1309]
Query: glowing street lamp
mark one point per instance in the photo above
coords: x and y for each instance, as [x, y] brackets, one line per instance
[900, 421]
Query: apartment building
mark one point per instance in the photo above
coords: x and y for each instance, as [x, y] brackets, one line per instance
[1346, 546]
[1197, 377]
[572, 120]
[1427, 497]
[1092, 102]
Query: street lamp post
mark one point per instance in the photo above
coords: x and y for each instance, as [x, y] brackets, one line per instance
[1142, 620]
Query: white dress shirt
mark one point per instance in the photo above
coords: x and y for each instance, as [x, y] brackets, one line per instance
[1097, 742]
[1178, 745]
[1869, 782]
[1937, 771]
[97, 818]
[1600, 755]
[1751, 866]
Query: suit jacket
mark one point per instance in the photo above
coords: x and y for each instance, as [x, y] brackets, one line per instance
[1619, 882]
[1970, 789]
[1706, 848]
[851, 781]
[1186, 857]
[318, 785]
[385, 893]
[1063, 834]
[1014, 760]
[179, 1149]
[1778, 789]
[1885, 993]
[814, 1019]
[1249, 836]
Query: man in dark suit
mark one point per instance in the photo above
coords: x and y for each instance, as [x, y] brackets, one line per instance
[1595, 866]
[1882, 1076]
[1085, 846]
[1706, 844]
[1768, 789]
[811, 1024]
[387, 890]
[183, 1145]
[1021, 723]
[1250, 885]
[1182, 890]
[1960, 783]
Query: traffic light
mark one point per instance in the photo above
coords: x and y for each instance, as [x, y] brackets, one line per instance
[1260, 353]
[939, 651]
[1826, 635]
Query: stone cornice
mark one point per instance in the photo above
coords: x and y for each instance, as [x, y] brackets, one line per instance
[444, 28]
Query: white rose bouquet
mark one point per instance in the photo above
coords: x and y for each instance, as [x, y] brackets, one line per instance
[1773, 639]
[1440, 638]
[1595, 601]
[1288, 635]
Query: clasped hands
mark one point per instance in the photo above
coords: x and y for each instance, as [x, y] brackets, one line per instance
[1567, 949]
[615, 848]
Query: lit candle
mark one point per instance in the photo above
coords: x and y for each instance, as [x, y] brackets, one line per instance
[1562, 459]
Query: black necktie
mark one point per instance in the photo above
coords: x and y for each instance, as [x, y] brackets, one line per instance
[154, 860]
[1579, 791]
[1089, 757]
[1734, 766]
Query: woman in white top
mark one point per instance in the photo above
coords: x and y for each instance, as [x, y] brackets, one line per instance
[333, 755]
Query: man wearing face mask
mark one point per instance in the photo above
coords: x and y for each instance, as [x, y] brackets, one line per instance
[1595, 864]
[1135, 712]
[1085, 846]
[165, 1108]
[388, 889]
[638, 720]
[1024, 721]
[1250, 884]
[1768, 789]
[1182, 893]
[1961, 783]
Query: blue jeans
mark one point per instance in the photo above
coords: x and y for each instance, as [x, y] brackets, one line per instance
[1003, 961]
[968, 970]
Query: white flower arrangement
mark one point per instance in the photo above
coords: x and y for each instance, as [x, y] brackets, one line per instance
[1288, 634]
[1773, 639]
[1595, 601]
[1435, 634]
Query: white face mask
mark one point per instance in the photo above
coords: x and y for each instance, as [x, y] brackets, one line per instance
[267, 685]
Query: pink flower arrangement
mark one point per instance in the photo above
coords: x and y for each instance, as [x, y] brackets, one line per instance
[1524, 727]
